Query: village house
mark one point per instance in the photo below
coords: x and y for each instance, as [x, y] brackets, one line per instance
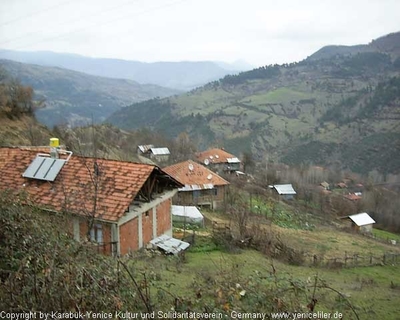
[341, 185]
[285, 191]
[157, 154]
[121, 206]
[202, 187]
[219, 160]
[361, 222]
[352, 196]
[325, 185]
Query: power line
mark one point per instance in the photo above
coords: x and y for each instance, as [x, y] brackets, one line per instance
[26, 35]
[97, 25]
[36, 13]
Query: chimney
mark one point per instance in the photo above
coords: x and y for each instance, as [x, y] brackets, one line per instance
[54, 144]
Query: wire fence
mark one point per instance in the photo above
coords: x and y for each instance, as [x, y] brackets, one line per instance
[351, 260]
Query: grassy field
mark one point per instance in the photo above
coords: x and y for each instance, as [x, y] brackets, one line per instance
[372, 291]
[280, 95]
[385, 235]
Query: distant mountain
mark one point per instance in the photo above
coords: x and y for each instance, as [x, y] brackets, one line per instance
[238, 65]
[184, 75]
[339, 107]
[77, 98]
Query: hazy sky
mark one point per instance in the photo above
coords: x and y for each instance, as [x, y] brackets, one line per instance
[258, 31]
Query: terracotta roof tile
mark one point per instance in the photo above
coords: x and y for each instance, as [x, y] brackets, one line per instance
[198, 176]
[215, 155]
[73, 190]
[352, 197]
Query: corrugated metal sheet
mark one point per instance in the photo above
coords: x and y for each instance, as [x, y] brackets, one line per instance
[284, 189]
[169, 244]
[233, 160]
[146, 147]
[160, 151]
[43, 168]
[362, 219]
[193, 187]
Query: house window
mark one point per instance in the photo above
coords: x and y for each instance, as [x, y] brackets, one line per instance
[96, 233]
[214, 192]
[196, 194]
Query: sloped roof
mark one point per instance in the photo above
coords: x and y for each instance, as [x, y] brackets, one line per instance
[325, 184]
[284, 189]
[194, 176]
[361, 219]
[216, 155]
[352, 197]
[73, 189]
[187, 211]
[145, 148]
[160, 151]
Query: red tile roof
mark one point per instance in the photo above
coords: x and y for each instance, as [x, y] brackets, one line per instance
[342, 185]
[214, 156]
[73, 189]
[199, 175]
[352, 197]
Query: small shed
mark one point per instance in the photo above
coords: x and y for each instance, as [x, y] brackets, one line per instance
[187, 214]
[143, 149]
[361, 222]
[286, 191]
[325, 185]
[341, 185]
[160, 154]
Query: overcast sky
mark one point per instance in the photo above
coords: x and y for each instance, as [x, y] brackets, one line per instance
[258, 31]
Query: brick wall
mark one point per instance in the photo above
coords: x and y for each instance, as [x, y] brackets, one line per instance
[147, 226]
[128, 236]
[129, 232]
[164, 217]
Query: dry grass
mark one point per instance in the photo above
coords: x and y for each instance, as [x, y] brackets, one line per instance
[329, 242]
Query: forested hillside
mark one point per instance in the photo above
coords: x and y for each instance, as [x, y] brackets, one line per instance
[179, 75]
[340, 108]
[76, 98]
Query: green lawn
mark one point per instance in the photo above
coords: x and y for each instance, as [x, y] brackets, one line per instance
[280, 95]
[385, 235]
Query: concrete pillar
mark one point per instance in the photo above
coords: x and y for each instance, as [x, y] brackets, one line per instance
[140, 230]
[154, 222]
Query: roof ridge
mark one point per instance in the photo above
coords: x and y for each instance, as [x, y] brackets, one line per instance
[26, 148]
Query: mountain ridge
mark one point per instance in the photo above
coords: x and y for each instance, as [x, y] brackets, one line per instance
[179, 75]
[389, 43]
[292, 111]
[77, 98]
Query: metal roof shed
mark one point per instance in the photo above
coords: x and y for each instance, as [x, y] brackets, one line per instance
[361, 222]
[160, 151]
[285, 190]
[362, 219]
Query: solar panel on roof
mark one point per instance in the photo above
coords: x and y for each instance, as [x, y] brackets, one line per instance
[43, 168]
